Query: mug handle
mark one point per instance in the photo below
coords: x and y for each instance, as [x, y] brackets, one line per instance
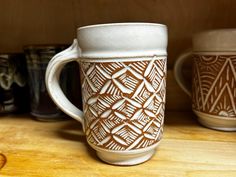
[178, 72]
[52, 76]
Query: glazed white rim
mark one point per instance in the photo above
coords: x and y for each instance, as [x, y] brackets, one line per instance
[122, 59]
[122, 24]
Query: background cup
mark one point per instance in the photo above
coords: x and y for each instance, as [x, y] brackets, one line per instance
[123, 79]
[13, 83]
[42, 107]
[214, 78]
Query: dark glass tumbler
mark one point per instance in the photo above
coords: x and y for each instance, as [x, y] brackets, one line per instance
[37, 57]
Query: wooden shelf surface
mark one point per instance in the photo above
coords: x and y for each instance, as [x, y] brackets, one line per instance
[30, 148]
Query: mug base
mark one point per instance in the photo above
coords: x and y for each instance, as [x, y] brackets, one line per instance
[125, 158]
[216, 122]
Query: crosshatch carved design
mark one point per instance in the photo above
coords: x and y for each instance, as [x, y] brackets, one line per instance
[124, 103]
[214, 85]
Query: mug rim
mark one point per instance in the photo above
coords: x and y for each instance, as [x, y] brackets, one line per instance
[122, 40]
[122, 24]
[222, 39]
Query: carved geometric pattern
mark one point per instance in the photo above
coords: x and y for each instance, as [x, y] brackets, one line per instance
[124, 103]
[214, 85]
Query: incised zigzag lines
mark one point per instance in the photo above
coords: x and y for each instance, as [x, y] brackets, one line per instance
[216, 83]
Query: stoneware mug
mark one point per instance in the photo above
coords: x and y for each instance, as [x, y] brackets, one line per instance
[123, 79]
[213, 79]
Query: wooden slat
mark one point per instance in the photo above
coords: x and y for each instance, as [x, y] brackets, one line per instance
[55, 21]
[176, 99]
[36, 149]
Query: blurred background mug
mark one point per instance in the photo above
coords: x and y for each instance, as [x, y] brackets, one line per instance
[14, 91]
[213, 78]
[123, 79]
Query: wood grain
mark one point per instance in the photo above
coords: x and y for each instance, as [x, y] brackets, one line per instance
[176, 99]
[55, 21]
[59, 149]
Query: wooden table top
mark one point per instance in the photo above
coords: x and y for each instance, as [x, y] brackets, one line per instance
[29, 148]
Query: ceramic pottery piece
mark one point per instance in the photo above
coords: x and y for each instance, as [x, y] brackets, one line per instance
[214, 78]
[123, 79]
[13, 84]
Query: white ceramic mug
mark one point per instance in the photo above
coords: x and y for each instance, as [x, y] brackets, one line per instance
[214, 78]
[123, 76]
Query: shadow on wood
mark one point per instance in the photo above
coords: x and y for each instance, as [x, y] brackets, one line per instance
[73, 131]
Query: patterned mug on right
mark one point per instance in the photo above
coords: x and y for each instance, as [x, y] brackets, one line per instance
[214, 78]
